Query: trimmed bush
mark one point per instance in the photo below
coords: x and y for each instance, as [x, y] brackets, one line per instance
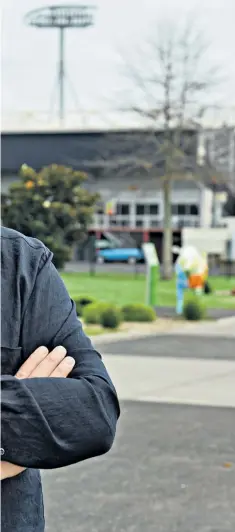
[194, 310]
[79, 309]
[92, 313]
[110, 317]
[207, 288]
[82, 302]
[138, 312]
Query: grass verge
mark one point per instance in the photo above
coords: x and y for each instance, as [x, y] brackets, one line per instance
[122, 289]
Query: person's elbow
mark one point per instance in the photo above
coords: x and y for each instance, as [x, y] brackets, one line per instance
[105, 440]
[107, 433]
[106, 415]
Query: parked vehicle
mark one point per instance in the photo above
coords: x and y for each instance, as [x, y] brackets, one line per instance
[106, 252]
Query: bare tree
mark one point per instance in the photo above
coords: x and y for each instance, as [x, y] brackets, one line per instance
[169, 88]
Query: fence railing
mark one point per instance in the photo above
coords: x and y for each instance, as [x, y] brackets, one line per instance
[104, 221]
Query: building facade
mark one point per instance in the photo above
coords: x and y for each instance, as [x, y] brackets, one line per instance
[125, 168]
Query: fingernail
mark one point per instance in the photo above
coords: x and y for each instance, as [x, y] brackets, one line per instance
[44, 349]
[61, 348]
[70, 361]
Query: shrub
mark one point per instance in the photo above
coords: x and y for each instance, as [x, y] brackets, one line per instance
[110, 317]
[103, 314]
[92, 313]
[207, 288]
[138, 312]
[81, 302]
[194, 310]
[79, 309]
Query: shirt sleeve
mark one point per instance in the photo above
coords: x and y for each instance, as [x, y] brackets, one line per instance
[48, 423]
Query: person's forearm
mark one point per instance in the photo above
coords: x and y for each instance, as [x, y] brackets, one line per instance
[49, 423]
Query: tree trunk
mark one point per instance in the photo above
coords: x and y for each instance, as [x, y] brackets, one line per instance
[167, 230]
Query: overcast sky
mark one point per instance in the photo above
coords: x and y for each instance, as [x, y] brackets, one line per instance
[29, 55]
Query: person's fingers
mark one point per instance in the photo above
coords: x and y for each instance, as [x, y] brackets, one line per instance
[64, 368]
[10, 470]
[50, 363]
[32, 362]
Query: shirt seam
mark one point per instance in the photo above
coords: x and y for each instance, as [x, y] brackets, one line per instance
[46, 257]
[26, 242]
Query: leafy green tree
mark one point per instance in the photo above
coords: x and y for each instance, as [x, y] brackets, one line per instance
[52, 205]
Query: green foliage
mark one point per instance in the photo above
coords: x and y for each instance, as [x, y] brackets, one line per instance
[51, 205]
[81, 302]
[138, 312]
[92, 313]
[79, 310]
[207, 288]
[194, 310]
[107, 315]
[110, 317]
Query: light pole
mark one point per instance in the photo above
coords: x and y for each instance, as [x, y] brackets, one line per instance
[62, 18]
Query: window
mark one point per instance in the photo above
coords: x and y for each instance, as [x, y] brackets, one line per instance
[100, 208]
[155, 223]
[146, 209]
[182, 209]
[141, 209]
[139, 223]
[153, 209]
[193, 210]
[123, 209]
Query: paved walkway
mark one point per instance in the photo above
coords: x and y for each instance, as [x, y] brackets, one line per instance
[172, 468]
[177, 368]
[173, 380]
[212, 313]
[224, 328]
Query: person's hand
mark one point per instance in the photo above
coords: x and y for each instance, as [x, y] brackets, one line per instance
[40, 364]
[44, 364]
[10, 470]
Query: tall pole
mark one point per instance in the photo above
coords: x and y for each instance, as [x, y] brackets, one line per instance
[61, 76]
[62, 18]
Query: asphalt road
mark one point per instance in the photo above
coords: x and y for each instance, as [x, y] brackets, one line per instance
[173, 346]
[166, 473]
[172, 468]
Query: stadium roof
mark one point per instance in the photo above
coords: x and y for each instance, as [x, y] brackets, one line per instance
[92, 121]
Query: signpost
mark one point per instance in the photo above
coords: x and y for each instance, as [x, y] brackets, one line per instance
[152, 262]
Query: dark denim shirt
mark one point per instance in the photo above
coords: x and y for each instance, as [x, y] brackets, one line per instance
[46, 423]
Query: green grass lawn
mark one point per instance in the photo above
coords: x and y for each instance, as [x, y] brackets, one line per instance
[123, 288]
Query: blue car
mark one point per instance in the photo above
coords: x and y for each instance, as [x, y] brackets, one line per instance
[130, 255]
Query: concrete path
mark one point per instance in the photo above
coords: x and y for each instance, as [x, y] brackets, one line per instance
[224, 328]
[173, 380]
[174, 369]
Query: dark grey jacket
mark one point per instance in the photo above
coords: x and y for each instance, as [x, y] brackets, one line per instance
[45, 423]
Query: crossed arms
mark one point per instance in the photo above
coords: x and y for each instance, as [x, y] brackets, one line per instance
[51, 421]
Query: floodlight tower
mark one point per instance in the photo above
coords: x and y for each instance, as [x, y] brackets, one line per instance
[62, 18]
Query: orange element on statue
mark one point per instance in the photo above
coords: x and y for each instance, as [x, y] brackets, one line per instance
[29, 184]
